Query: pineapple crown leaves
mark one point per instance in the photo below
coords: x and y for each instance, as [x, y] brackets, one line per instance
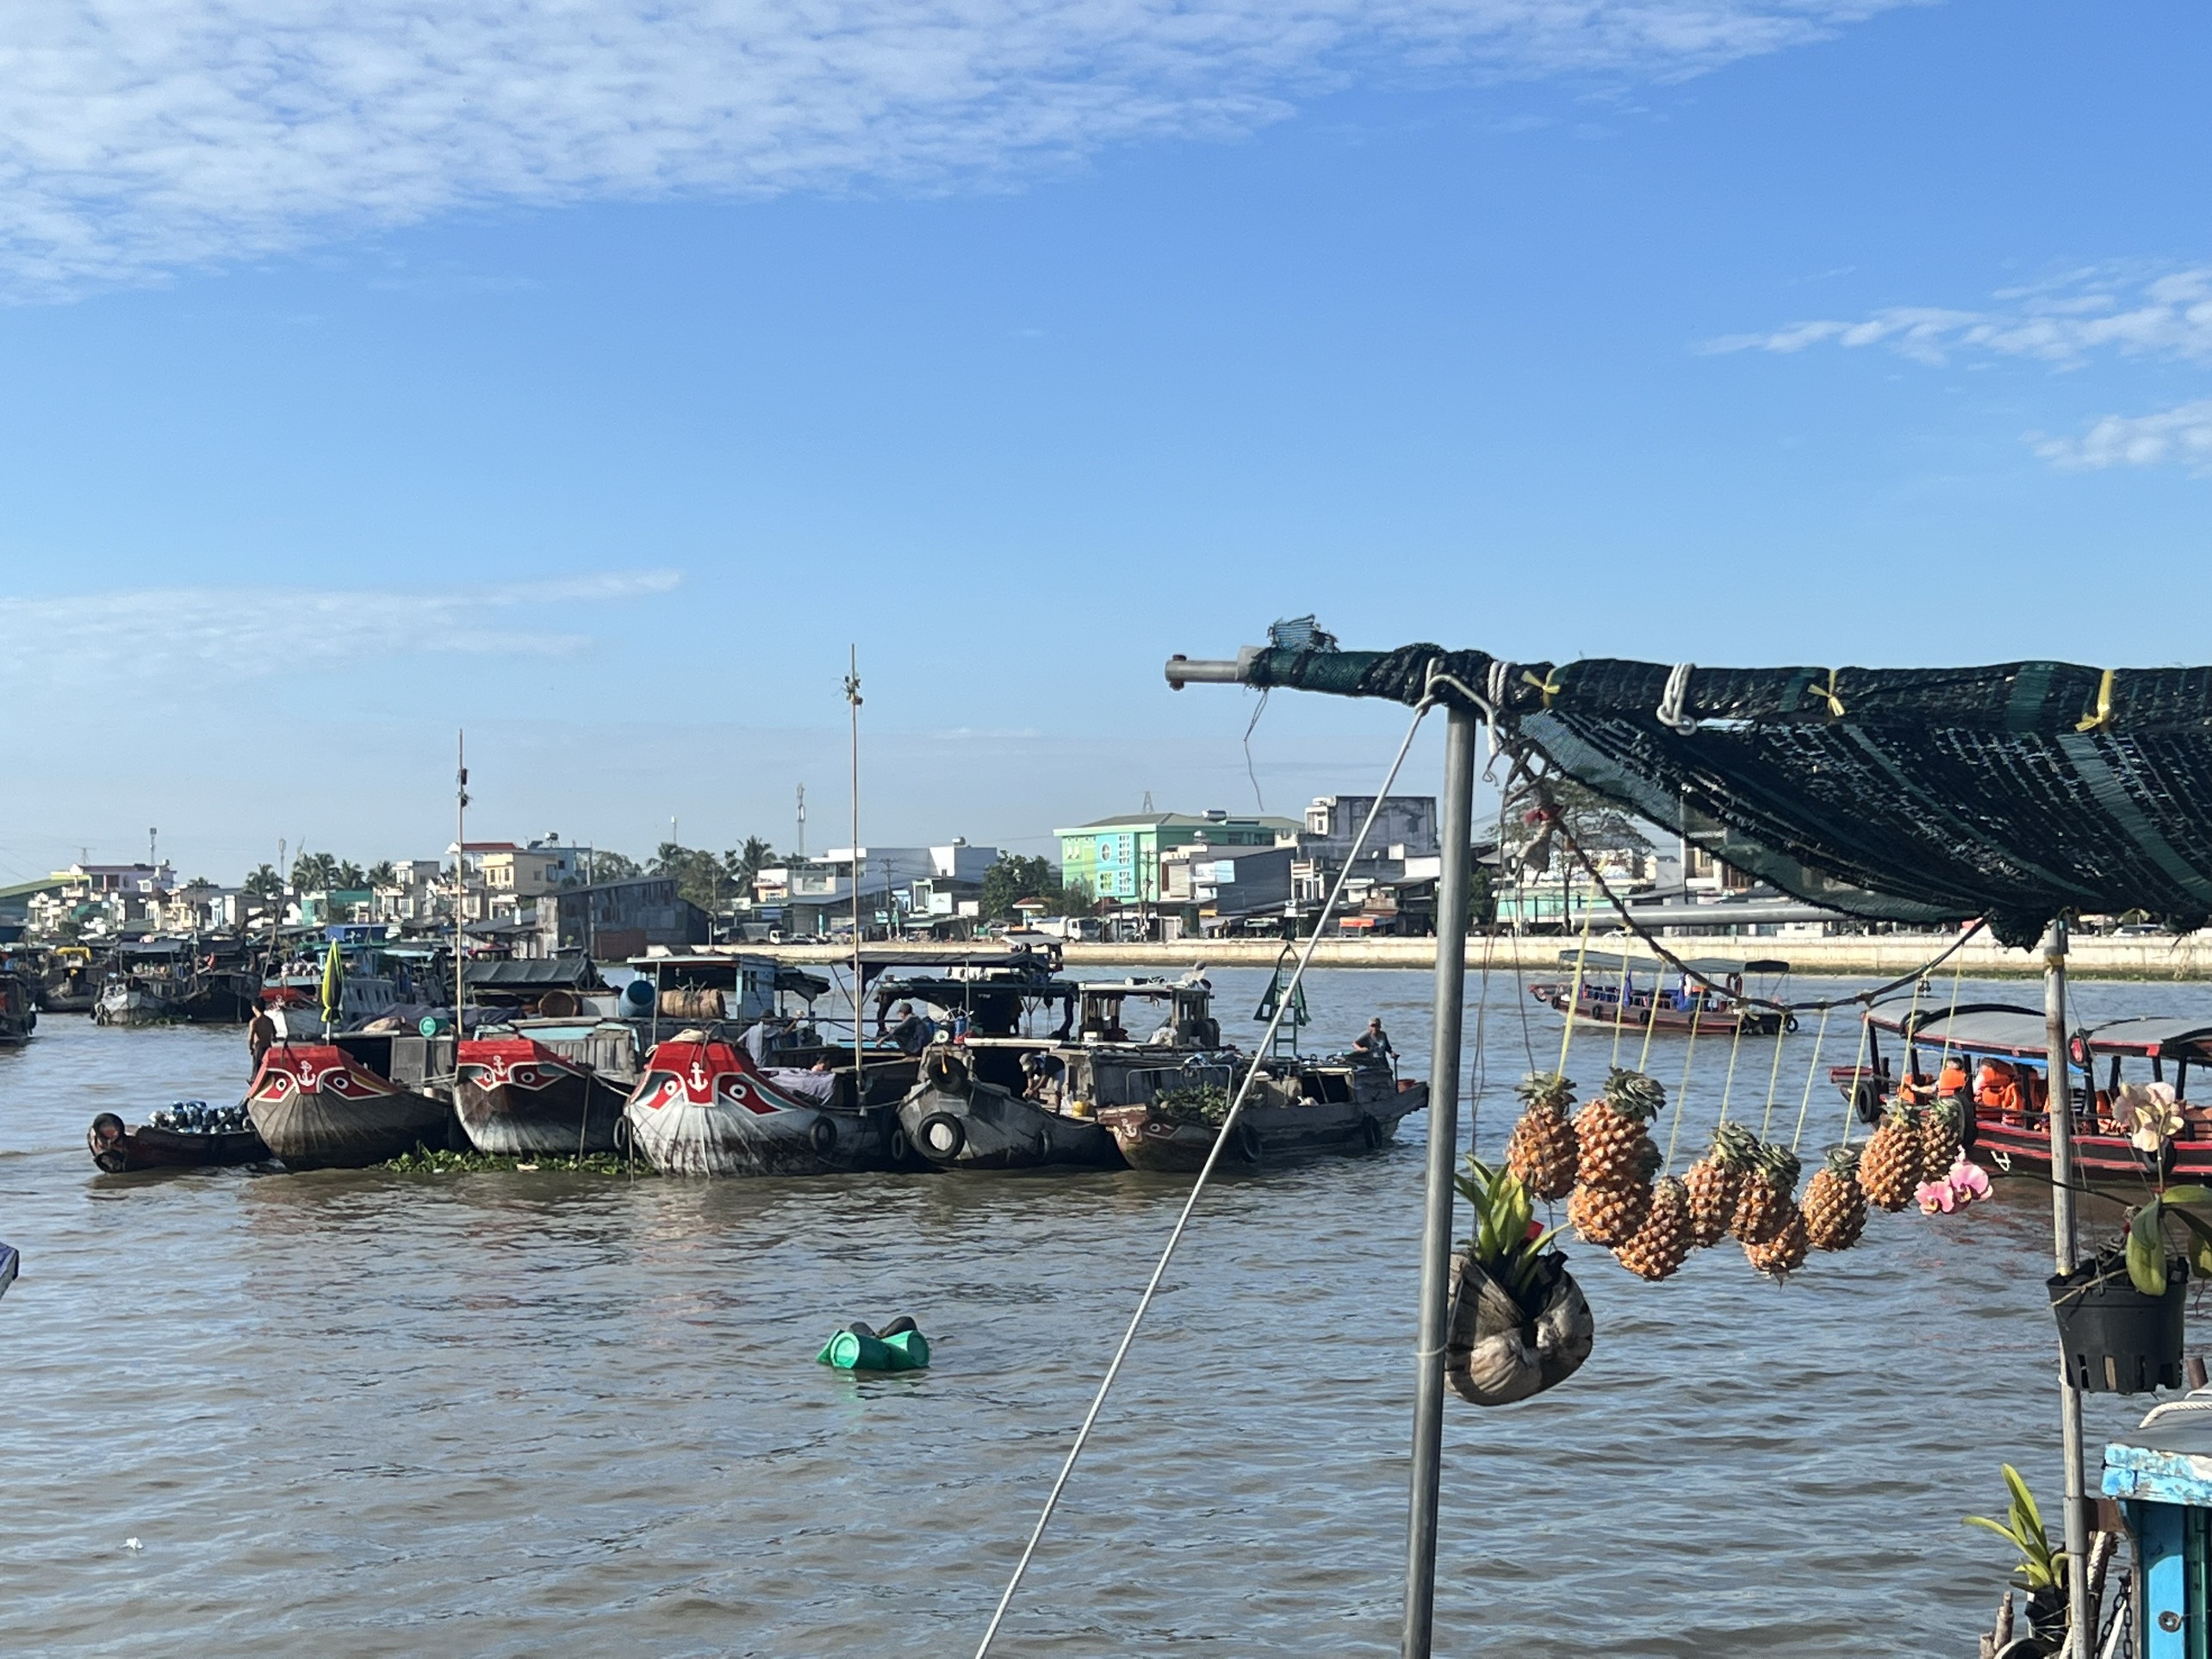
[1502, 1241]
[1843, 1163]
[1943, 1111]
[1901, 1114]
[1545, 1089]
[1735, 1147]
[1634, 1094]
[1670, 1190]
[2042, 1565]
[1780, 1167]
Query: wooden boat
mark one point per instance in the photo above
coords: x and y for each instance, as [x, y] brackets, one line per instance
[71, 985]
[957, 1119]
[1296, 1108]
[704, 1108]
[124, 1001]
[1992, 1058]
[319, 1107]
[545, 1087]
[1610, 996]
[19, 1014]
[117, 1149]
[11, 1259]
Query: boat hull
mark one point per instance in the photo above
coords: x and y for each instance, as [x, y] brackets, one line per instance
[118, 1149]
[516, 1099]
[315, 1109]
[1268, 1130]
[980, 1126]
[1606, 1012]
[702, 1107]
[130, 1006]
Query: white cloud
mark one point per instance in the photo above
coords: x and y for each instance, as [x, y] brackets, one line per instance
[2063, 322]
[192, 636]
[139, 136]
[2181, 435]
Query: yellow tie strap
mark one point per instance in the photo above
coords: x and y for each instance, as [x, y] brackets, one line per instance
[1834, 700]
[1549, 685]
[2102, 720]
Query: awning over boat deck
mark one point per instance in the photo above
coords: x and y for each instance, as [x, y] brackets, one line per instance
[1991, 1029]
[2153, 1035]
[1615, 962]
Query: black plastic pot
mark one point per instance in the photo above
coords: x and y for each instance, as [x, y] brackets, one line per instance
[2112, 1337]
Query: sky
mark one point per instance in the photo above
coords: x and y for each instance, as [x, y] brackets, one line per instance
[594, 376]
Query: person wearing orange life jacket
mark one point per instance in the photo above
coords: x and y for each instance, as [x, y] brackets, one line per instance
[1951, 1082]
[1996, 1086]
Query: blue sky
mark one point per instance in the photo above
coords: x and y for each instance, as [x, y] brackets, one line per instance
[594, 378]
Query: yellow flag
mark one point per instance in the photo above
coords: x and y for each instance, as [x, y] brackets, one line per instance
[333, 986]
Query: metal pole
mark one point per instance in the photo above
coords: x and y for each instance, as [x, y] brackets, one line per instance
[1451, 902]
[853, 696]
[2060, 1103]
[460, 881]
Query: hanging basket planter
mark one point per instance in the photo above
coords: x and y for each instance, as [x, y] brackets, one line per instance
[2112, 1337]
[1500, 1349]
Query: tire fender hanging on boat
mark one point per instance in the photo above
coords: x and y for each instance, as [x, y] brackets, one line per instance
[941, 1135]
[824, 1135]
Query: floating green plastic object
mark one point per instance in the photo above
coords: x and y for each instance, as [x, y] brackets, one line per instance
[909, 1350]
[858, 1350]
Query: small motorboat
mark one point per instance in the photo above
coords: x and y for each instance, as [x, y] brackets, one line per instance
[1609, 995]
[19, 1014]
[189, 1134]
[956, 1119]
[319, 1107]
[1296, 1107]
[533, 1089]
[704, 1108]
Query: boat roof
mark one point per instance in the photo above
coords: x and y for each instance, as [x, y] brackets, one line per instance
[945, 992]
[2010, 1029]
[571, 973]
[2151, 1034]
[1615, 961]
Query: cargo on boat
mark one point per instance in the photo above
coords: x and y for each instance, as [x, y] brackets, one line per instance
[189, 1134]
[1610, 994]
[323, 1105]
[706, 1107]
[1991, 1061]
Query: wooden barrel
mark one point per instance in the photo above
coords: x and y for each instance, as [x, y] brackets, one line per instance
[692, 1003]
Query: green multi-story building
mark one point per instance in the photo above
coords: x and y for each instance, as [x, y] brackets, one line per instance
[1118, 858]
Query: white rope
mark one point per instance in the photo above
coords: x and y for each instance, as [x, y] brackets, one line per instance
[1222, 1138]
[1670, 700]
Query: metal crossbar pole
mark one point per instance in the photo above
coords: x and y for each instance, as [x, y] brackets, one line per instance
[1451, 900]
[2060, 1102]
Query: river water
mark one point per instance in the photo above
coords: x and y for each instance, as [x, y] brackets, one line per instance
[537, 1414]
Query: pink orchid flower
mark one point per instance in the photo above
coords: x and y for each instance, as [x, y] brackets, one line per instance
[1966, 1182]
[1935, 1196]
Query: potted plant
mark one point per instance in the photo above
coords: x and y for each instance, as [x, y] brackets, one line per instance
[2119, 1312]
[1519, 1324]
[2041, 1569]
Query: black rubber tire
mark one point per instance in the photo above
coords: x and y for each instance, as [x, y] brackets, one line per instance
[898, 1147]
[1249, 1146]
[1867, 1101]
[1789, 1022]
[928, 1131]
[824, 1135]
[898, 1326]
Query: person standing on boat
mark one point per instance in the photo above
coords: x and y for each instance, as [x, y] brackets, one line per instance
[260, 1032]
[1375, 1043]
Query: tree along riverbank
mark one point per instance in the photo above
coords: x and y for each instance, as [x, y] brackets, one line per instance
[2135, 956]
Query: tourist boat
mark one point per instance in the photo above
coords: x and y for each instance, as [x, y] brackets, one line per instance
[1610, 994]
[70, 983]
[704, 1108]
[117, 1149]
[1993, 1059]
[19, 1014]
[551, 1088]
[319, 1106]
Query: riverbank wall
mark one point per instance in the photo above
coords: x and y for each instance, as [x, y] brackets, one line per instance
[1871, 956]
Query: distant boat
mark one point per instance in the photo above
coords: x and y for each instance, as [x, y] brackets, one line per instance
[117, 1148]
[319, 1107]
[1296, 1108]
[10, 1259]
[70, 983]
[19, 1015]
[1610, 994]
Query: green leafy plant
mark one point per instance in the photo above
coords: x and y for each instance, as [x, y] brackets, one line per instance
[1505, 1243]
[2147, 1250]
[1200, 1103]
[2041, 1567]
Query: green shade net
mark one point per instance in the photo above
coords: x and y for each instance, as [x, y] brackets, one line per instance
[2015, 792]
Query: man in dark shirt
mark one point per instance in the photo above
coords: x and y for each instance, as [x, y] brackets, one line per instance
[1374, 1044]
[912, 1031]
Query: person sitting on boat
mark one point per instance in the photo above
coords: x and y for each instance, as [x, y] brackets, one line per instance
[1996, 1086]
[1374, 1044]
[1951, 1081]
[1041, 1078]
[912, 1033]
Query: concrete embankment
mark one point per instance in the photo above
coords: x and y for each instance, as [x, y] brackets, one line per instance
[2157, 956]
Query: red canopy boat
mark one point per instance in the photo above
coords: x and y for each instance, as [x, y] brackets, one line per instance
[1993, 1059]
[704, 1108]
[537, 1092]
[317, 1107]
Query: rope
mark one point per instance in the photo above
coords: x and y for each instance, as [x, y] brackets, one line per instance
[1621, 1009]
[1810, 1072]
[1774, 1077]
[1669, 711]
[1650, 1018]
[1735, 1046]
[1575, 996]
[1222, 1138]
[1851, 1099]
[1958, 968]
[1682, 1094]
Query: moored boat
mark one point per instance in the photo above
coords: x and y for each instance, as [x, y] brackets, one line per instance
[1609, 995]
[19, 1014]
[1295, 1109]
[318, 1107]
[956, 1119]
[70, 985]
[703, 1107]
[176, 1137]
[124, 1001]
[545, 1088]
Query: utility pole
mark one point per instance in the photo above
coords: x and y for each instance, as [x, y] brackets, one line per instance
[853, 698]
[801, 849]
[2079, 1637]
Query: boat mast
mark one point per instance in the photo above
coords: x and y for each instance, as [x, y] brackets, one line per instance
[853, 696]
[2079, 1637]
[460, 877]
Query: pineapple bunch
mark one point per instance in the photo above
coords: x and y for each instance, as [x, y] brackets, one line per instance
[1890, 1168]
[1658, 1248]
[1941, 1139]
[1541, 1151]
[1834, 1204]
[1765, 1202]
[1717, 1180]
[1782, 1249]
[1615, 1159]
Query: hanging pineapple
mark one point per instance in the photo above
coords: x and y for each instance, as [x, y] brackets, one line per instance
[1765, 1201]
[1890, 1168]
[1834, 1205]
[1662, 1245]
[1610, 1134]
[1716, 1179]
[1541, 1151]
[1782, 1251]
[1942, 1139]
[1608, 1213]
